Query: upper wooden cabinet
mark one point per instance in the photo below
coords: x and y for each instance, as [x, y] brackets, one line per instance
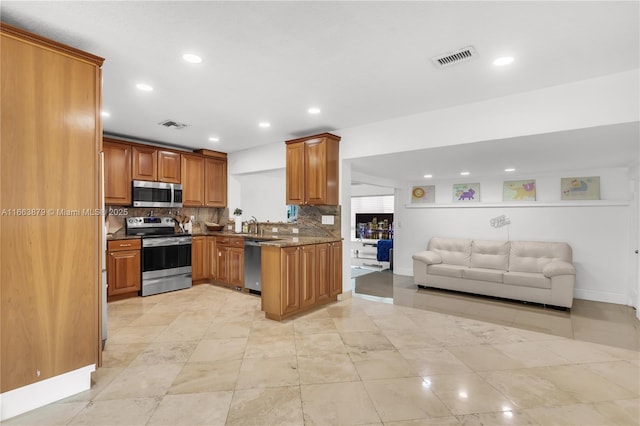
[154, 164]
[117, 172]
[312, 170]
[192, 180]
[204, 179]
[215, 188]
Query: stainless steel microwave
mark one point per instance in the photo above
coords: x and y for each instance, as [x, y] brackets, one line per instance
[156, 194]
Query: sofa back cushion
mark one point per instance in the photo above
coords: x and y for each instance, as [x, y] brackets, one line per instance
[533, 256]
[453, 251]
[490, 254]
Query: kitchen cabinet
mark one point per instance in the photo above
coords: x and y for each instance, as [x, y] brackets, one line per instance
[230, 261]
[123, 268]
[215, 174]
[117, 172]
[299, 278]
[312, 174]
[154, 164]
[192, 179]
[308, 275]
[199, 259]
[51, 135]
[212, 257]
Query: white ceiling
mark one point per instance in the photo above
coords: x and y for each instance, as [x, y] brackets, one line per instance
[360, 62]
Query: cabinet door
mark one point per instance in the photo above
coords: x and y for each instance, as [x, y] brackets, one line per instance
[192, 180]
[335, 270]
[323, 256]
[168, 167]
[123, 272]
[295, 173]
[117, 173]
[212, 257]
[144, 163]
[199, 259]
[308, 275]
[290, 280]
[222, 264]
[315, 158]
[236, 266]
[215, 187]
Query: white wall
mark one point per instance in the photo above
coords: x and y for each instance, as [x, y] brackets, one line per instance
[599, 235]
[263, 195]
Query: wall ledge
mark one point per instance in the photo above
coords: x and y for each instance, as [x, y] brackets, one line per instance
[576, 203]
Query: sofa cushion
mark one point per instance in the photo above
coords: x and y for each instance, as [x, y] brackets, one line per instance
[526, 279]
[446, 270]
[490, 254]
[453, 251]
[533, 256]
[483, 274]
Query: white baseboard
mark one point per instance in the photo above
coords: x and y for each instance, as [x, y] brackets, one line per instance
[600, 296]
[30, 397]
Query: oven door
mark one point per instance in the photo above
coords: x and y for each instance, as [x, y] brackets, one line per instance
[166, 264]
[166, 253]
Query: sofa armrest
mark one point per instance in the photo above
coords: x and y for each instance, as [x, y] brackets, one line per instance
[558, 267]
[428, 257]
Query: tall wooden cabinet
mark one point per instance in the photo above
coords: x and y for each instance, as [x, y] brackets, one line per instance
[312, 170]
[50, 166]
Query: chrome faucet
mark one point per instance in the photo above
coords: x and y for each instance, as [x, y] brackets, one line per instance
[253, 225]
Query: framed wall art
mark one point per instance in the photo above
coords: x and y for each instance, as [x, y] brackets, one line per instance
[519, 190]
[580, 188]
[423, 194]
[466, 192]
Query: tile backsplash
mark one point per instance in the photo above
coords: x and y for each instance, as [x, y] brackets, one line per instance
[309, 221]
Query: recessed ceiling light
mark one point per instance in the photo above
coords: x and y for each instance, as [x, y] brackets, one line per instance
[503, 60]
[105, 114]
[465, 173]
[214, 139]
[144, 87]
[313, 110]
[191, 58]
[264, 124]
[428, 176]
[510, 170]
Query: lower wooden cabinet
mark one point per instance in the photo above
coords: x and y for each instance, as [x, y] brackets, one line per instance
[123, 268]
[229, 262]
[199, 260]
[295, 279]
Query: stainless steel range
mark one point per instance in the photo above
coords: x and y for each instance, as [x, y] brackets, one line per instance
[166, 256]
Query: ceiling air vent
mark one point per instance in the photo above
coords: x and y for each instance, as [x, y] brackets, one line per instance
[454, 57]
[173, 124]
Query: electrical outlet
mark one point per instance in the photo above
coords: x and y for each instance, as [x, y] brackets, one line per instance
[274, 230]
[294, 230]
[193, 218]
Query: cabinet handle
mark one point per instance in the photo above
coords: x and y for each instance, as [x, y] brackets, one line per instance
[125, 245]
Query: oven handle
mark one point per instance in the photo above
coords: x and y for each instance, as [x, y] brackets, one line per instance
[164, 242]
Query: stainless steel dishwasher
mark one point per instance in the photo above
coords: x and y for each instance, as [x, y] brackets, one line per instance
[252, 266]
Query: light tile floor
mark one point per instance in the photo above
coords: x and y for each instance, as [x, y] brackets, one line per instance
[207, 356]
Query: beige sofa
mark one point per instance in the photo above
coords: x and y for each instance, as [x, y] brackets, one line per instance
[540, 272]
